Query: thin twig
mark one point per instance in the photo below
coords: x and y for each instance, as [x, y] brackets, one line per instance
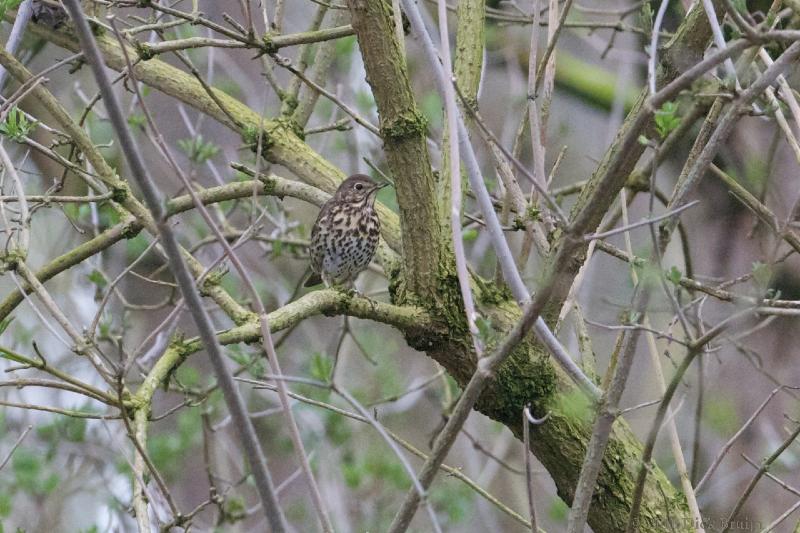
[154, 200]
[265, 331]
[15, 446]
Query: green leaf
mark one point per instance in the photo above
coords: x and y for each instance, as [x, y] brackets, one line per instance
[667, 119]
[674, 275]
[558, 510]
[50, 484]
[5, 5]
[469, 235]
[98, 279]
[198, 150]
[321, 367]
[70, 429]
[27, 468]
[188, 376]
[352, 472]
[16, 126]
[365, 101]
[136, 121]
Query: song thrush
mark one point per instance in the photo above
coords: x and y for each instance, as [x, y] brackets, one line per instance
[345, 235]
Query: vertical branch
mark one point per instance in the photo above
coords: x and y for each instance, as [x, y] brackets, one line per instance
[24, 222]
[289, 105]
[454, 171]
[675, 443]
[403, 129]
[467, 70]
[527, 420]
[323, 58]
[155, 202]
[24, 13]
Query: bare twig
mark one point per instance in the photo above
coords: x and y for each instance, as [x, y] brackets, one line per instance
[183, 277]
[15, 446]
[527, 420]
[265, 330]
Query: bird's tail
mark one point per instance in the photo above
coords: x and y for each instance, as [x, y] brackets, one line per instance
[313, 279]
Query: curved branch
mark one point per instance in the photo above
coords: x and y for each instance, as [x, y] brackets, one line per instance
[329, 302]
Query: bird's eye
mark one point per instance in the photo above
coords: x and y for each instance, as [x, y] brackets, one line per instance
[359, 186]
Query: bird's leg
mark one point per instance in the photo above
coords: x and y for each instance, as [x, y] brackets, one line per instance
[350, 287]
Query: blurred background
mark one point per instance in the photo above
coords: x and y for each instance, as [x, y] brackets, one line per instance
[73, 474]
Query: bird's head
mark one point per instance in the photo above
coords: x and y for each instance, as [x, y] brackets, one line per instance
[358, 188]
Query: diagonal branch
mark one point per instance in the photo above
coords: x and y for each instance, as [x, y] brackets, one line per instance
[184, 278]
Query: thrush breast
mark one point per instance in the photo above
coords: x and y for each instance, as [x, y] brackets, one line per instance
[345, 236]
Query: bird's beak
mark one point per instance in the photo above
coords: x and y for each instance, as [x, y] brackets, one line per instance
[378, 187]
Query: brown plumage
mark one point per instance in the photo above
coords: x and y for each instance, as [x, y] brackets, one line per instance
[345, 235]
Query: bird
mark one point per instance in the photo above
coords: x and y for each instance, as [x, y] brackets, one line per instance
[345, 235]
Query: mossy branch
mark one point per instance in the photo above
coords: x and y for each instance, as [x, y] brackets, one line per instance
[404, 131]
[284, 147]
[409, 319]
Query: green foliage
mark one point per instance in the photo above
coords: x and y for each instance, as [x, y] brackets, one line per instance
[344, 49]
[648, 272]
[558, 510]
[229, 87]
[234, 509]
[469, 234]
[454, 499]
[351, 472]
[5, 5]
[16, 126]
[388, 198]
[762, 274]
[336, 429]
[321, 367]
[197, 149]
[252, 362]
[30, 474]
[188, 376]
[674, 275]
[136, 245]
[98, 279]
[667, 119]
[63, 428]
[169, 448]
[136, 120]
[5, 504]
[387, 469]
